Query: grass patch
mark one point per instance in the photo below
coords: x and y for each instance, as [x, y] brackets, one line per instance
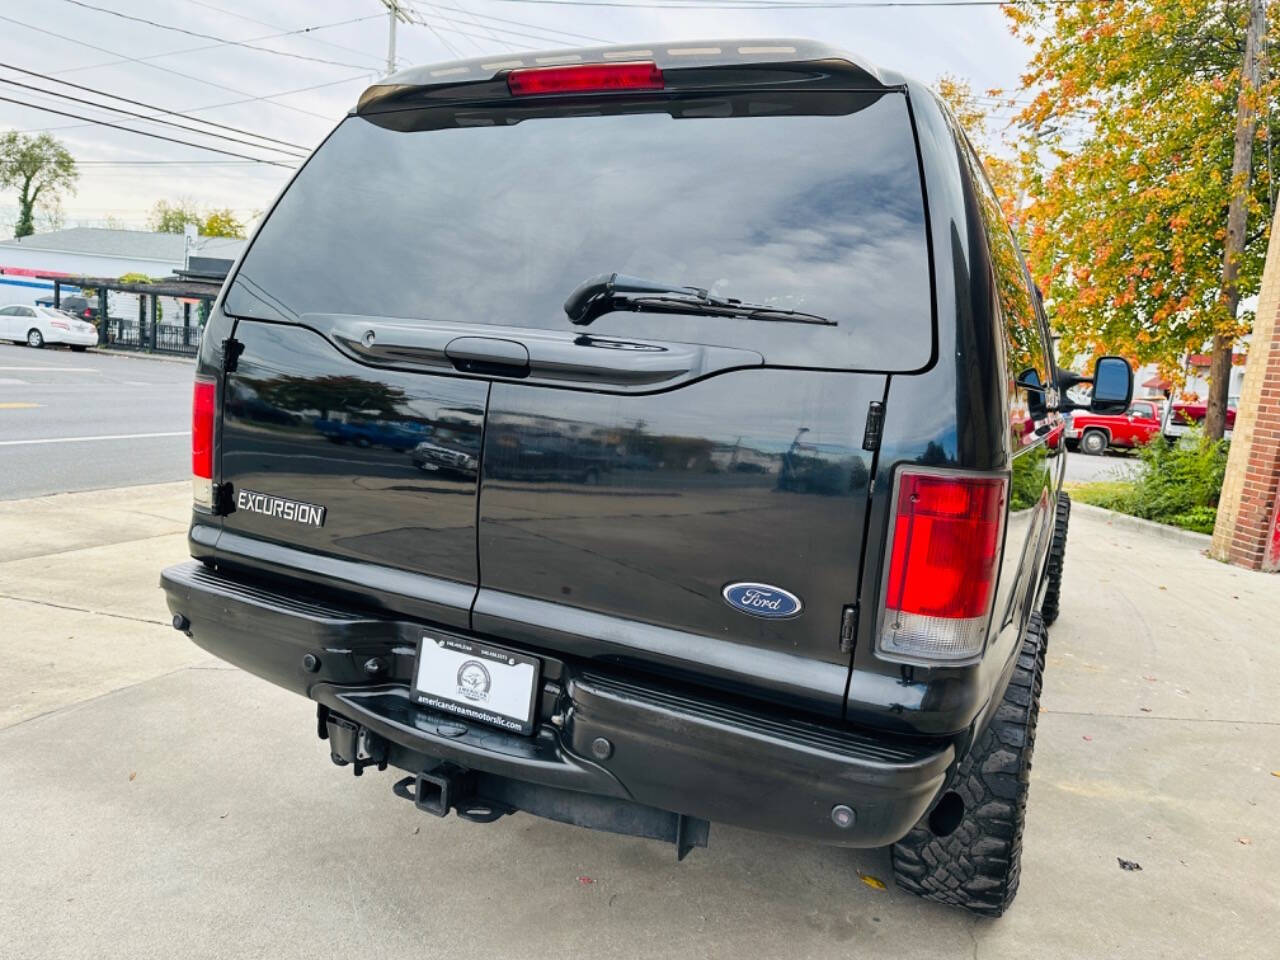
[1176, 484]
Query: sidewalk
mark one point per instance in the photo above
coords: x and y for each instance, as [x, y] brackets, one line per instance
[155, 796]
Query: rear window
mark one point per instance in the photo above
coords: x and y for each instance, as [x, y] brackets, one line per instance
[803, 201]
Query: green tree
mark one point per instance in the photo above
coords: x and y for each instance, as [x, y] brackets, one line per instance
[40, 169]
[174, 217]
[1131, 112]
[221, 223]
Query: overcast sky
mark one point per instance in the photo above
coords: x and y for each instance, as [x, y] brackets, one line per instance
[118, 173]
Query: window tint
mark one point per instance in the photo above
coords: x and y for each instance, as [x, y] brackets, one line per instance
[807, 202]
[1143, 410]
[8, 311]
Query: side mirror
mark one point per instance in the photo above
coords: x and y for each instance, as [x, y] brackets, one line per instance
[1112, 385]
[1029, 380]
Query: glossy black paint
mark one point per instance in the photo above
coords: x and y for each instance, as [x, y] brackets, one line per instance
[720, 761]
[609, 526]
[587, 499]
[956, 415]
[393, 457]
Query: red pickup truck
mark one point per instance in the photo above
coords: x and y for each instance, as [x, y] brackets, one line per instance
[1093, 433]
[1181, 416]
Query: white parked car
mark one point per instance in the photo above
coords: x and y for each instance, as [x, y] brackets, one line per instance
[36, 326]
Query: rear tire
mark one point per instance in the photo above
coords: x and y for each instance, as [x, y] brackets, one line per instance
[1057, 555]
[967, 851]
[1094, 442]
[35, 338]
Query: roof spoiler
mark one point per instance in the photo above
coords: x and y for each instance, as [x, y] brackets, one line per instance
[697, 63]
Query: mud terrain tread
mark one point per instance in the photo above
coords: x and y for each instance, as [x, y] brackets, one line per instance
[1057, 556]
[977, 866]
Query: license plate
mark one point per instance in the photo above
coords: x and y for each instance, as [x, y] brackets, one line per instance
[478, 681]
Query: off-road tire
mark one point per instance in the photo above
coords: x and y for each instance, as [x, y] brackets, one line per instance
[976, 863]
[1057, 554]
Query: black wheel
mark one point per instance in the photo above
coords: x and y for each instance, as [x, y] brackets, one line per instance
[1094, 442]
[1057, 554]
[35, 338]
[967, 851]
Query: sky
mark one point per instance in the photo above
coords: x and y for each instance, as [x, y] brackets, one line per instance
[298, 93]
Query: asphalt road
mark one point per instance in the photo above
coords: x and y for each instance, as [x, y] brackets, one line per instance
[1082, 468]
[86, 421]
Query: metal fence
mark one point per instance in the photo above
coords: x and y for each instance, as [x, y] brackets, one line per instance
[130, 325]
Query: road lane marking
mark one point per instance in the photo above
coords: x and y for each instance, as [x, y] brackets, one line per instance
[17, 405]
[110, 436]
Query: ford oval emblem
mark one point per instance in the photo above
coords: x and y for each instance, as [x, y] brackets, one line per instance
[762, 600]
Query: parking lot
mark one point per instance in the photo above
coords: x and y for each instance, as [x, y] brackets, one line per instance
[156, 800]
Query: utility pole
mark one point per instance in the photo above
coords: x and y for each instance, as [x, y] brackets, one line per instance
[394, 13]
[1215, 418]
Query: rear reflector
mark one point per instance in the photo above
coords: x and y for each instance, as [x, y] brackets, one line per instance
[202, 411]
[944, 551]
[584, 78]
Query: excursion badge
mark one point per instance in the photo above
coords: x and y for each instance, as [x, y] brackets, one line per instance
[310, 514]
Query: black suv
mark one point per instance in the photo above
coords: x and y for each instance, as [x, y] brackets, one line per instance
[700, 455]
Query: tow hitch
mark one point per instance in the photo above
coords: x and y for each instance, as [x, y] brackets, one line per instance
[350, 743]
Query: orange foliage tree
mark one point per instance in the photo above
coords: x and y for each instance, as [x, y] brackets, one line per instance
[1129, 114]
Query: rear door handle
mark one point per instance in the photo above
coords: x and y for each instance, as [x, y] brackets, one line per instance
[488, 355]
[545, 356]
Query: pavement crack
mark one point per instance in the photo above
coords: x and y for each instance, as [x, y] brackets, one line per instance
[1149, 716]
[96, 613]
[54, 711]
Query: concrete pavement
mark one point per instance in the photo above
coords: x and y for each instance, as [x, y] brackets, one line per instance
[157, 801]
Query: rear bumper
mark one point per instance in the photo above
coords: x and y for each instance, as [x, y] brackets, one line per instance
[669, 750]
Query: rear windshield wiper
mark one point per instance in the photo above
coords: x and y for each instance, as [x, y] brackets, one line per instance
[612, 291]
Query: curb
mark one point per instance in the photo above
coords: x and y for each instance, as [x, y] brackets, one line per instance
[140, 355]
[1163, 531]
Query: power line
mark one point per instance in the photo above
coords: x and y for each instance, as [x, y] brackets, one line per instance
[156, 66]
[521, 23]
[438, 18]
[145, 133]
[431, 24]
[215, 106]
[276, 26]
[801, 5]
[214, 46]
[210, 36]
[141, 116]
[165, 163]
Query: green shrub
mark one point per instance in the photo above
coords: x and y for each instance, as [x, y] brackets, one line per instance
[1176, 483]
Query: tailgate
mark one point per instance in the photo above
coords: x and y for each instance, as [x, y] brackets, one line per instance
[390, 458]
[610, 527]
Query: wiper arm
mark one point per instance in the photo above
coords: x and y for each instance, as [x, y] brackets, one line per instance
[608, 291]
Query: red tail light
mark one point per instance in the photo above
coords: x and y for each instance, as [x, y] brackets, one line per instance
[945, 550]
[585, 78]
[202, 411]
[87, 313]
